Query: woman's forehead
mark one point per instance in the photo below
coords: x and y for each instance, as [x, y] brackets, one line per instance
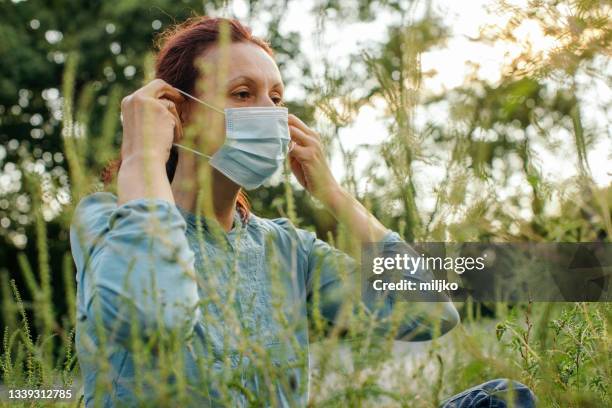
[244, 60]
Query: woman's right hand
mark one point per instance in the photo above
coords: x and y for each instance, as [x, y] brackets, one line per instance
[151, 121]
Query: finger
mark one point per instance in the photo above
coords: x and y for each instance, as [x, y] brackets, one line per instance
[159, 88]
[295, 121]
[298, 171]
[300, 137]
[171, 108]
[291, 146]
[300, 153]
[175, 112]
[167, 103]
[172, 94]
[178, 125]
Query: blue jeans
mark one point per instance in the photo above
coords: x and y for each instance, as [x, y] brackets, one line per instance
[493, 394]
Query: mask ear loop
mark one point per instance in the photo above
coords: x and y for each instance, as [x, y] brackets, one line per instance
[191, 150]
[205, 104]
[202, 102]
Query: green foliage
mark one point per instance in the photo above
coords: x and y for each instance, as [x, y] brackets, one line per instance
[566, 353]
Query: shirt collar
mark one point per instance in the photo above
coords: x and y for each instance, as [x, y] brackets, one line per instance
[207, 222]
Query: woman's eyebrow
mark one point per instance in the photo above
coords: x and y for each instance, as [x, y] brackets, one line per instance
[241, 78]
[250, 81]
[278, 86]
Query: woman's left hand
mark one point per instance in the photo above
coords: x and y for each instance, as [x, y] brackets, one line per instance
[308, 162]
[309, 165]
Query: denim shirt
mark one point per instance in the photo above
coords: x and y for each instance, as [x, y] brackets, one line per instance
[147, 264]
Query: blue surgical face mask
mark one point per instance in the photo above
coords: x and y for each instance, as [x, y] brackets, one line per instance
[256, 144]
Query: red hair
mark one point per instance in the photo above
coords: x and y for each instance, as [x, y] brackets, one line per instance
[179, 46]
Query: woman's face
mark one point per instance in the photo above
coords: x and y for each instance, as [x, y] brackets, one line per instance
[250, 78]
[242, 75]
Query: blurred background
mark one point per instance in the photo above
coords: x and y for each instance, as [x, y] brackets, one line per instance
[487, 120]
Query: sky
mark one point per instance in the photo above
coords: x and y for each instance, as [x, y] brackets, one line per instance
[450, 63]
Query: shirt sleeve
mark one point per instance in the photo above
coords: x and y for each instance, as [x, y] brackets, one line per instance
[135, 269]
[335, 276]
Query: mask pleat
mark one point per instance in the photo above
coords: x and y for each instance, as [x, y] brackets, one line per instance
[256, 143]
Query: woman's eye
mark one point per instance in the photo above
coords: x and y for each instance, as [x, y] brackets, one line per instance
[277, 100]
[242, 95]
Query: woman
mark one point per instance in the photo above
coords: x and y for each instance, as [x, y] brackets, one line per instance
[146, 264]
